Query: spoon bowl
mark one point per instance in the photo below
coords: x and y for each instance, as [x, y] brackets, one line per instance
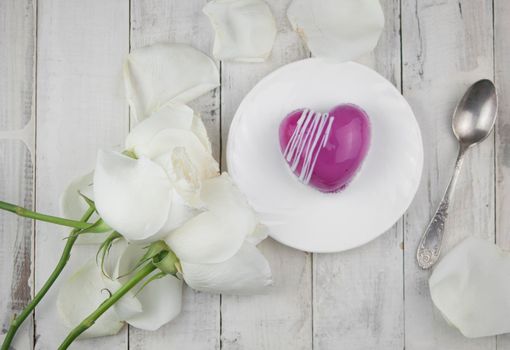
[475, 115]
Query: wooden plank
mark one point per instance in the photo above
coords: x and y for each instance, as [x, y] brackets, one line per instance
[502, 149]
[81, 108]
[17, 68]
[447, 45]
[358, 294]
[17, 100]
[198, 326]
[16, 234]
[282, 318]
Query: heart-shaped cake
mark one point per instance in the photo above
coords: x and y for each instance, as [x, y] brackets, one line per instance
[325, 150]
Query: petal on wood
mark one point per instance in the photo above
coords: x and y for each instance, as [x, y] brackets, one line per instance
[247, 272]
[337, 29]
[471, 288]
[80, 295]
[245, 30]
[133, 196]
[162, 73]
[161, 302]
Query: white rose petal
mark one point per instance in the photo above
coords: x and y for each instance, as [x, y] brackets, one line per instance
[171, 116]
[206, 238]
[184, 176]
[245, 30]
[180, 212]
[161, 302]
[127, 306]
[247, 272]
[80, 295]
[132, 196]
[217, 234]
[200, 131]
[221, 194]
[73, 206]
[258, 235]
[471, 288]
[127, 261]
[167, 140]
[162, 73]
[338, 29]
[160, 299]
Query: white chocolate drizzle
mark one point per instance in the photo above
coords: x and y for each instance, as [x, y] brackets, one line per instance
[308, 139]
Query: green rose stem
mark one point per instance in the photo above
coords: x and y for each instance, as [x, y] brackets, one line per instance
[91, 319]
[42, 217]
[18, 320]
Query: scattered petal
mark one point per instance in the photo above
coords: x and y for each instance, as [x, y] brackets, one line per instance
[158, 74]
[132, 196]
[127, 306]
[160, 299]
[80, 295]
[247, 272]
[338, 29]
[245, 30]
[217, 234]
[471, 285]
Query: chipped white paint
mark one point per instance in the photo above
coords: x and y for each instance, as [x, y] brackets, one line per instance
[366, 298]
[17, 101]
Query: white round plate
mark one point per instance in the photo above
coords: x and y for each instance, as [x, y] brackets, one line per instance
[298, 215]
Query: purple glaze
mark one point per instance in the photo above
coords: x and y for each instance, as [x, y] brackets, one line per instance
[344, 149]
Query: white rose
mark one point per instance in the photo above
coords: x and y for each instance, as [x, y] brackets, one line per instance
[146, 198]
[217, 252]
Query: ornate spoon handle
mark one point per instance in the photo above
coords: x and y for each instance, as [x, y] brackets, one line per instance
[429, 248]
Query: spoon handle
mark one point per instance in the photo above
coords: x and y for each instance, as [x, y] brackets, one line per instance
[429, 248]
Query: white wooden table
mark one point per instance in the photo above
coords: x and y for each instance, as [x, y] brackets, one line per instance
[61, 99]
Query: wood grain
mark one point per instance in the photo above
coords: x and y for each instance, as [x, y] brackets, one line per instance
[198, 325]
[17, 101]
[358, 294]
[446, 47]
[81, 108]
[282, 318]
[502, 148]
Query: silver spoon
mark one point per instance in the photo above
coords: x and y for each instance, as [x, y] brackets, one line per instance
[473, 120]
